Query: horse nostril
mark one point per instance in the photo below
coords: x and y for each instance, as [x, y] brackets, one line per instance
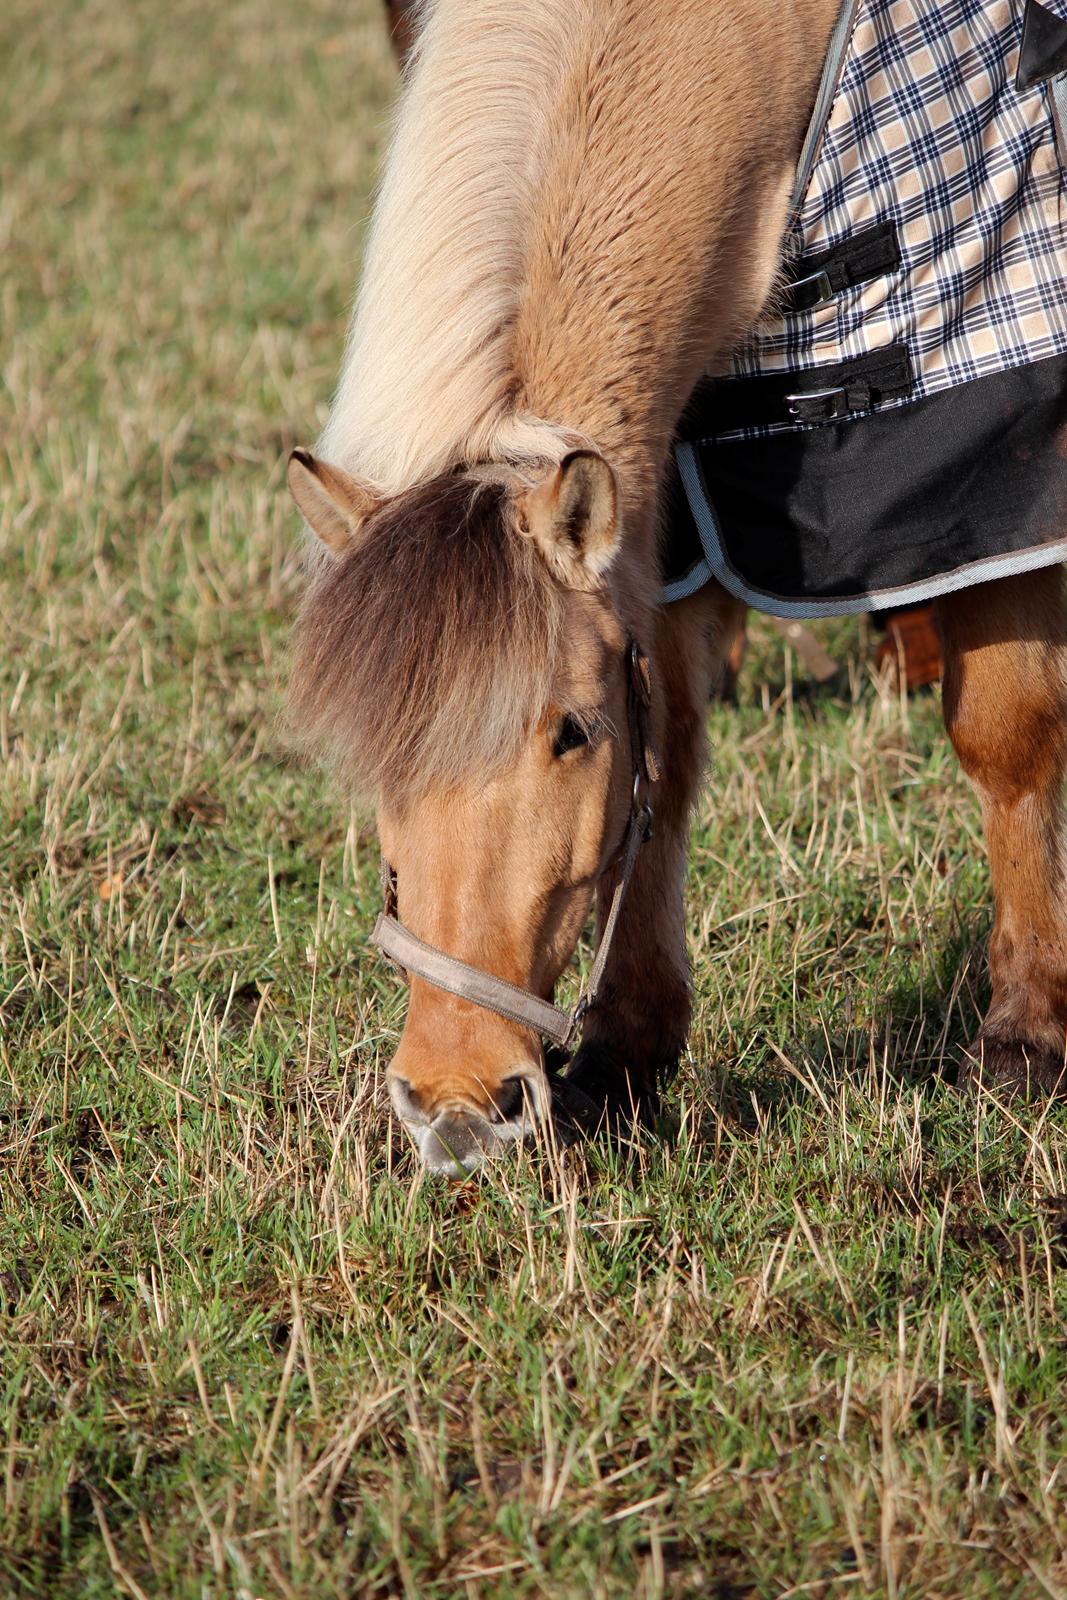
[407, 1102]
[515, 1096]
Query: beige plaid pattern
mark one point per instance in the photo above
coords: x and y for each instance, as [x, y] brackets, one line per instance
[927, 130]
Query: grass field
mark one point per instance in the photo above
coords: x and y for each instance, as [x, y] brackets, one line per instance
[809, 1341]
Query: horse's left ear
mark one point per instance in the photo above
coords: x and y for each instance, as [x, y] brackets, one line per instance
[334, 504]
[573, 517]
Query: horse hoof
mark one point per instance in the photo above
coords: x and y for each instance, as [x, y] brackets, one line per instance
[1013, 1067]
[621, 1096]
[573, 1112]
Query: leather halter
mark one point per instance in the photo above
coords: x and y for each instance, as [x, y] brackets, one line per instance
[411, 955]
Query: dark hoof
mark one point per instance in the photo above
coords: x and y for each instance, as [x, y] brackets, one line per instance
[1016, 1068]
[623, 1097]
[573, 1113]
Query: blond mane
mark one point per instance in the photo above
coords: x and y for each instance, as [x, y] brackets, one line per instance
[582, 202]
[427, 378]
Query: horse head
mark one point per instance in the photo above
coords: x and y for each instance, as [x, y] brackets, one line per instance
[461, 664]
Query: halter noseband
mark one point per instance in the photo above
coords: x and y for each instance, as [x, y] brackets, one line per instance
[411, 955]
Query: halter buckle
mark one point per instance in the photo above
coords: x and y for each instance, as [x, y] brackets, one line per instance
[640, 674]
[641, 808]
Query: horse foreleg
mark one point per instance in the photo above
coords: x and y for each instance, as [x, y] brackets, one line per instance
[1005, 700]
[637, 1031]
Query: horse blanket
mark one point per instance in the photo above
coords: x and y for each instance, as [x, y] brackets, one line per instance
[897, 427]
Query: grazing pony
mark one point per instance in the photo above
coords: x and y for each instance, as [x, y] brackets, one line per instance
[583, 207]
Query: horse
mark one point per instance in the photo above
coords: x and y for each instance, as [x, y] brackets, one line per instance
[582, 208]
[910, 650]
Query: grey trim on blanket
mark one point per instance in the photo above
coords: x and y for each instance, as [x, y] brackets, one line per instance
[1058, 92]
[831, 77]
[716, 565]
[681, 588]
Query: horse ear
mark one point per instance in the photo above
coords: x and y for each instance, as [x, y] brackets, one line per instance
[573, 517]
[334, 504]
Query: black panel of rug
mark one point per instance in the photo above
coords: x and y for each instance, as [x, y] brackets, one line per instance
[1043, 53]
[908, 496]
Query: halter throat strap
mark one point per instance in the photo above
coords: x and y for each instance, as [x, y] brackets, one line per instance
[412, 955]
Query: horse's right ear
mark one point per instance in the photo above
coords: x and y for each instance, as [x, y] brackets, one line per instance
[572, 515]
[333, 503]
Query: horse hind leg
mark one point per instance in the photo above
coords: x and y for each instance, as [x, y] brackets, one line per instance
[1005, 702]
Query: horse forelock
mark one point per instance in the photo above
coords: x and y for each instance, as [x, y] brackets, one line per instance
[425, 654]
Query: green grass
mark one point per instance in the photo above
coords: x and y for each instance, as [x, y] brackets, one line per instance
[808, 1341]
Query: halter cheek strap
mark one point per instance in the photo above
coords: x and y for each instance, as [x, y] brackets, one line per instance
[412, 955]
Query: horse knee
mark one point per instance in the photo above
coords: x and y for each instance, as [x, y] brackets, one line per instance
[1007, 765]
[1008, 726]
[1005, 683]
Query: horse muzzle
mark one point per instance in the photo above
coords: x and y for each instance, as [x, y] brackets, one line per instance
[454, 1135]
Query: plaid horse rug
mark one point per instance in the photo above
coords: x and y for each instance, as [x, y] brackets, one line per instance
[897, 427]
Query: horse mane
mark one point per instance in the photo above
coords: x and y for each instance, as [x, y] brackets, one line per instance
[396, 684]
[428, 376]
[518, 270]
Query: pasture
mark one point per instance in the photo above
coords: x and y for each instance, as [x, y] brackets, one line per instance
[807, 1340]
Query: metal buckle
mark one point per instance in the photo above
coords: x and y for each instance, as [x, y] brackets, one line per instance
[825, 288]
[640, 673]
[796, 402]
[641, 808]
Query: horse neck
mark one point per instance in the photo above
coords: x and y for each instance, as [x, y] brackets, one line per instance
[582, 204]
[656, 229]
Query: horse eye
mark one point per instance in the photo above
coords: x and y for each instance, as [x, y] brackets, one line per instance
[570, 735]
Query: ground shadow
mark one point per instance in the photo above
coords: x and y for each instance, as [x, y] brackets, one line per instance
[924, 1022]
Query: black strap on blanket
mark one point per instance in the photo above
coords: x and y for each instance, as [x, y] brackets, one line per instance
[818, 394]
[815, 279]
